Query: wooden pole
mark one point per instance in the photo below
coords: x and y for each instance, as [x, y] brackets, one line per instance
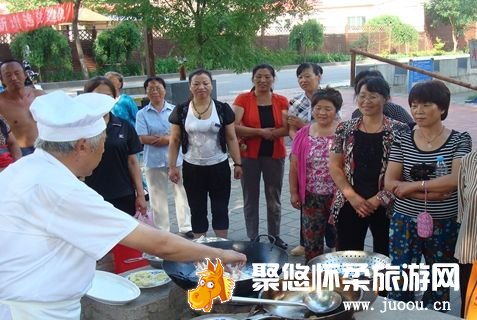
[412, 68]
[150, 63]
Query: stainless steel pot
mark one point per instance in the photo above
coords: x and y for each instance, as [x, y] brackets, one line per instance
[340, 259]
[302, 313]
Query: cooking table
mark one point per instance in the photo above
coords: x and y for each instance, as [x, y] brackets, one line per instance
[170, 302]
[366, 315]
[153, 303]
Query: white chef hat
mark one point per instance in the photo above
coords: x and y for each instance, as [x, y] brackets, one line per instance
[61, 117]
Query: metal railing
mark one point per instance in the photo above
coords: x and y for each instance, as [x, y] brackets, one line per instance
[436, 75]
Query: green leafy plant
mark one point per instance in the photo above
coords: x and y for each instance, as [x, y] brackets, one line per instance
[306, 36]
[167, 65]
[438, 47]
[115, 46]
[458, 14]
[127, 69]
[47, 49]
[214, 33]
[324, 57]
[399, 33]
[361, 43]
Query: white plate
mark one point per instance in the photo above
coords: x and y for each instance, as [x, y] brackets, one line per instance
[110, 288]
[148, 278]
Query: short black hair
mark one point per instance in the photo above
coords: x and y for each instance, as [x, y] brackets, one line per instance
[12, 61]
[377, 85]
[158, 79]
[263, 66]
[317, 69]
[199, 72]
[365, 74]
[330, 94]
[434, 91]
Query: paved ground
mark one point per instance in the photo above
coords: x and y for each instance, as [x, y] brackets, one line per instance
[462, 117]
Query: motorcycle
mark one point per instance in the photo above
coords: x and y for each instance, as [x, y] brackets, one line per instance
[32, 76]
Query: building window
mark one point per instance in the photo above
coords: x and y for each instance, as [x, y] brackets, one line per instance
[355, 23]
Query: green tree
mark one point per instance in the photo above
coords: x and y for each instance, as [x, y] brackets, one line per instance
[23, 5]
[306, 36]
[48, 49]
[456, 13]
[210, 33]
[115, 46]
[399, 32]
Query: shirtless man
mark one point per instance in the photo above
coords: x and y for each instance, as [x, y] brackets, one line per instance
[15, 104]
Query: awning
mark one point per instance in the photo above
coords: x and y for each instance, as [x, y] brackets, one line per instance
[87, 15]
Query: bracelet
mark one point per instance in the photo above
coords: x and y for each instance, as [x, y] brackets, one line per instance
[385, 198]
[237, 164]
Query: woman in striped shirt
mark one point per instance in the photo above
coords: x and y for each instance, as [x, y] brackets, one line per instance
[411, 171]
[466, 248]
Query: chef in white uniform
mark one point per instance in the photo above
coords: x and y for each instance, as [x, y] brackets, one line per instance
[53, 227]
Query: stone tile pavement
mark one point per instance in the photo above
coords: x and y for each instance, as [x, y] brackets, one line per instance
[462, 117]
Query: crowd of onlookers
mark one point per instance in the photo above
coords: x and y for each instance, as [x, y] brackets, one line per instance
[378, 170]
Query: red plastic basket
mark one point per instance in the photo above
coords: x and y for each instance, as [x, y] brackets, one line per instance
[121, 253]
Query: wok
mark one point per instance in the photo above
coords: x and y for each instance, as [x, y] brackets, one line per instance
[184, 273]
[301, 313]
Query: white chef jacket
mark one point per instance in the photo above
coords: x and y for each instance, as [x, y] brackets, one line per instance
[53, 228]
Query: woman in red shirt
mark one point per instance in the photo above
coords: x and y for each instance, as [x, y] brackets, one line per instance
[261, 123]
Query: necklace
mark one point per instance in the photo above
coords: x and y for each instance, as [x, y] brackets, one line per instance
[366, 129]
[430, 141]
[199, 114]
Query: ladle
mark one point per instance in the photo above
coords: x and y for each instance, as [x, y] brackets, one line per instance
[321, 301]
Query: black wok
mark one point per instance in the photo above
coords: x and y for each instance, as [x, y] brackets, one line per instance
[183, 273]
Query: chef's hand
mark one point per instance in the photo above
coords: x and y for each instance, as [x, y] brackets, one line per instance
[232, 256]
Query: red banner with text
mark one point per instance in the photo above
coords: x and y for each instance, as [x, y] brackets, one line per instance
[33, 19]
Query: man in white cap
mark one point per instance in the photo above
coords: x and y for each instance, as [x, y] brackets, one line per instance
[53, 227]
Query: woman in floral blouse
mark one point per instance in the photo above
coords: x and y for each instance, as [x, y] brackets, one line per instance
[357, 164]
[311, 186]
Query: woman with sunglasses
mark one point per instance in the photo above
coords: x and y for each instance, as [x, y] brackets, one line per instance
[411, 176]
[358, 160]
